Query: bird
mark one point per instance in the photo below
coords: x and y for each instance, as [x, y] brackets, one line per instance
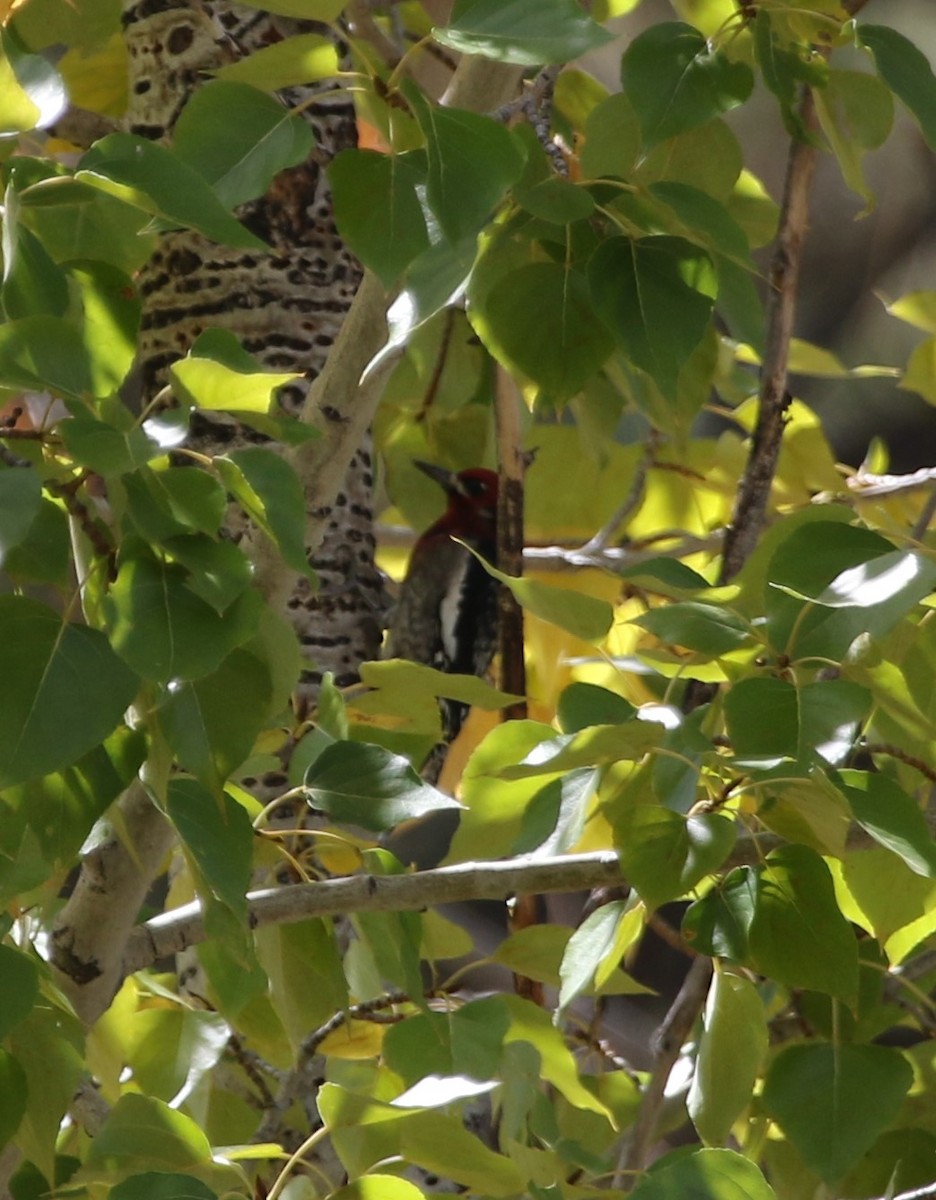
[446, 614]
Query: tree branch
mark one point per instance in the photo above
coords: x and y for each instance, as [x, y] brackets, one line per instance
[89, 936]
[676, 1027]
[754, 493]
[173, 931]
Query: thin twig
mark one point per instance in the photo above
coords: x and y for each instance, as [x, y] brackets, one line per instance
[631, 501]
[754, 493]
[271, 1127]
[173, 931]
[673, 1032]
[510, 542]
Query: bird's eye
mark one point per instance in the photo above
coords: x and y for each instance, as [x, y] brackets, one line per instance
[475, 487]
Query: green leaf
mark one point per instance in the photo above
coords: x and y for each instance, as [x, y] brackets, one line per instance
[612, 139]
[239, 139]
[785, 66]
[47, 1046]
[833, 1101]
[707, 628]
[596, 745]
[212, 385]
[269, 490]
[14, 1096]
[377, 208]
[655, 295]
[591, 944]
[856, 112]
[361, 784]
[164, 630]
[706, 219]
[906, 71]
[675, 80]
[584, 704]
[855, 582]
[434, 280]
[583, 616]
[62, 689]
[524, 32]
[103, 448]
[44, 556]
[308, 10]
[154, 179]
[539, 320]
[731, 1050]
[920, 375]
[33, 284]
[719, 923]
[162, 1185]
[473, 160]
[20, 987]
[217, 832]
[20, 498]
[173, 1048]
[556, 200]
[306, 58]
[211, 723]
[899, 575]
[172, 502]
[892, 818]
[762, 716]
[141, 1132]
[798, 935]
[664, 854]
[44, 354]
[62, 807]
[703, 1175]
[218, 571]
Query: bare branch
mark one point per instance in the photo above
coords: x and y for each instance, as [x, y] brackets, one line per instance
[174, 931]
[672, 1034]
[171, 932]
[89, 936]
[754, 493]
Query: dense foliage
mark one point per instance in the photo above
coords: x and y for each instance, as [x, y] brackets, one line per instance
[755, 736]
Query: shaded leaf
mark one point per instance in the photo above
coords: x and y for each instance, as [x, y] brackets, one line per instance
[719, 923]
[20, 987]
[892, 818]
[798, 935]
[704, 1175]
[217, 832]
[521, 31]
[833, 1101]
[539, 320]
[664, 854]
[365, 785]
[377, 208]
[906, 71]
[473, 160]
[676, 80]
[152, 178]
[655, 296]
[62, 689]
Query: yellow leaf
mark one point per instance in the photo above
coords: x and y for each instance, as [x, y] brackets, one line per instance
[354, 1040]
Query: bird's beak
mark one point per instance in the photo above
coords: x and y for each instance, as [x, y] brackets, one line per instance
[446, 479]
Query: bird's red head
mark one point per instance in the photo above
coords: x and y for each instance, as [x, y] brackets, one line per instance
[472, 502]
